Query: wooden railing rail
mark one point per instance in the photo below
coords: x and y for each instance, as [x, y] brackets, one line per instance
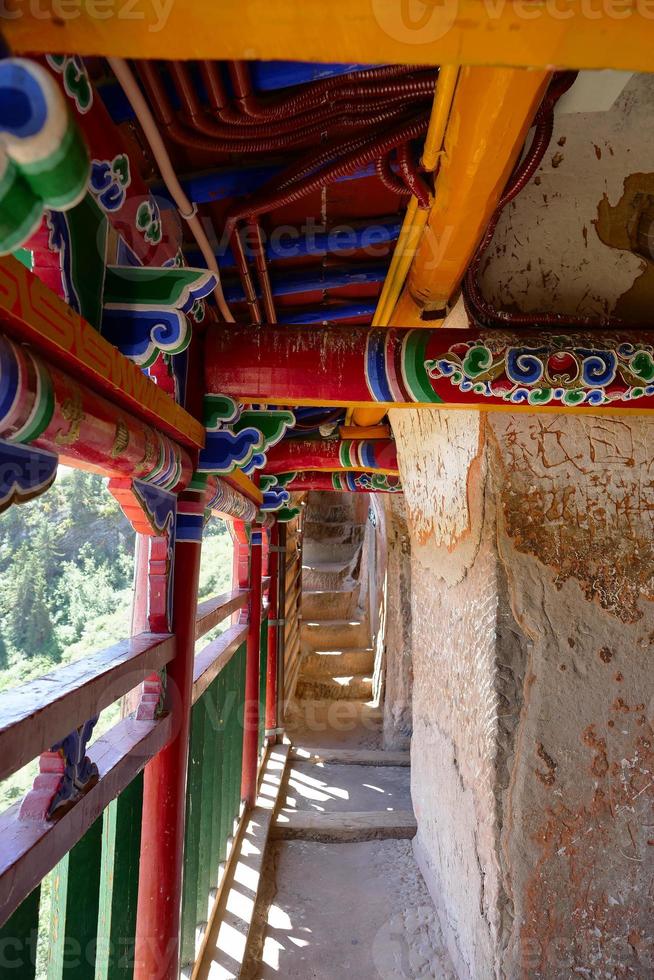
[29, 849]
[41, 712]
[212, 611]
[213, 658]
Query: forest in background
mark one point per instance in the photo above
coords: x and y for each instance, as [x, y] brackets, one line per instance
[66, 584]
[66, 579]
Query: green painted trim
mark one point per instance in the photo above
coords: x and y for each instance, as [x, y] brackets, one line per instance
[415, 373]
[60, 179]
[168, 286]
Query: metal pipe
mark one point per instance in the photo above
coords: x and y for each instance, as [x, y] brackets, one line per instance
[187, 210]
[399, 134]
[411, 177]
[390, 181]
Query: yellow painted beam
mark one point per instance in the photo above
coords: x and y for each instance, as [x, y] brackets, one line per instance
[491, 113]
[365, 432]
[521, 33]
[241, 482]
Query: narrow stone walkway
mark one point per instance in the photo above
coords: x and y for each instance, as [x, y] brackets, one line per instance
[342, 895]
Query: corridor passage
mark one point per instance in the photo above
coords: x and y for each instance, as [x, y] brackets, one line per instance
[342, 894]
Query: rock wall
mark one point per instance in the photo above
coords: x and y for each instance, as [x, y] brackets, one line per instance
[398, 675]
[532, 626]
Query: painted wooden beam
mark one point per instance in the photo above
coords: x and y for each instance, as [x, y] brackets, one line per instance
[335, 454]
[568, 33]
[30, 312]
[41, 712]
[243, 484]
[490, 116]
[494, 370]
[51, 410]
[363, 482]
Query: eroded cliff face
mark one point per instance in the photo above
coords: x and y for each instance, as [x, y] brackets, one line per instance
[532, 626]
[398, 682]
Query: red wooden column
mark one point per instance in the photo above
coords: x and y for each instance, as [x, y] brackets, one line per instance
[251, 707]
[272, 722]
[164, 789]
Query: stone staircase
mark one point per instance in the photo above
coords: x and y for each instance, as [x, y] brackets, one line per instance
[337, 656]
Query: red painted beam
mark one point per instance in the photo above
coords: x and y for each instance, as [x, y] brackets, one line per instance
[51, 410]
[350, 482]
[323, 454]
[594, 371]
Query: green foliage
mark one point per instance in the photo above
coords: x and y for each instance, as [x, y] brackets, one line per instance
[66, 563]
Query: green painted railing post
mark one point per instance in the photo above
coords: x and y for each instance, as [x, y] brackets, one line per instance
[205, 792]
[75, 908]
[18, 940]
[218, 737]
[119, 884]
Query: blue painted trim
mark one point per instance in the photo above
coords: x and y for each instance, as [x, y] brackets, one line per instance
[314, 280]
[217, 185]
[330, 314]
[272, 75]
[295, 245]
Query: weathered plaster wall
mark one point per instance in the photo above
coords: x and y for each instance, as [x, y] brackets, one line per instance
[454, 707]
[576, 538]
[566, 243]
[532, 554]
[398, 674]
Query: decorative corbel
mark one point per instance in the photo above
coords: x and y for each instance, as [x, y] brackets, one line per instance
[239, 438]
[25, 472]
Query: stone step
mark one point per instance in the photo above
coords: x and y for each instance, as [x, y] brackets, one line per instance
[335, 788]
[338, 532]
[348, 687]
[350, 757]
[345, 827]
[333, 513]
[327, 663]
[329, 603]
[327, 575]
[330, 551]
[334, 634]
